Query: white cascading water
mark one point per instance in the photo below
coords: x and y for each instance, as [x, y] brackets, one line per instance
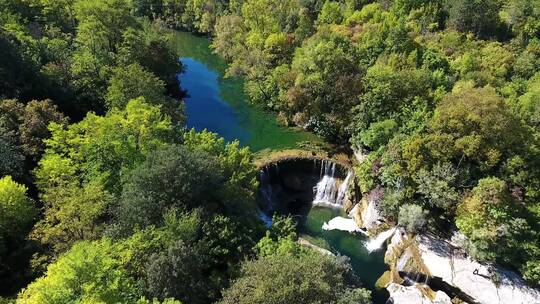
[377, 243]
[327, 191]
[267, 220]
[266, 189]
[342, 192]
[371, 216]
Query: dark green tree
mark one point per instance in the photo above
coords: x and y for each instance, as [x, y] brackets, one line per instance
[177, 273]
[174, 177]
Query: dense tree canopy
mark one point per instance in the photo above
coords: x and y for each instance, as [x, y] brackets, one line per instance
[171, 178]
[307, 277]
[106, 198]
[89, 272]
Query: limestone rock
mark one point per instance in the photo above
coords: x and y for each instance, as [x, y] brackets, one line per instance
[416, 294]
[397, 241]
[440, 259]
[359, 153]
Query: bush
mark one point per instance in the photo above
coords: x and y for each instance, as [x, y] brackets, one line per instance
[412, 217]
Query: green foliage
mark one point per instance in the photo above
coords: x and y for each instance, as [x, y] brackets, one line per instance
[89, 273]
[523, 16]
[235, 163]
[285, 278]
[131, 82]
[193, 15]
[531, 272]
[378, 134]
[355, 296]
[494, 224]
[330, 13]
[81, 172]
[268, 246]
[438, 187]
[72, 213]
[326, 82]
[155, 301]
[101, 23]
[17, 211]
[18, 75]
[479, 17]
[134, 81]
[104, 146]
[528, 105]
[28, 124]
[412, 217]
[150, 47]
[11, 159]
[391, 93]
[442, 111]
[474, 125]
[281, 238]
[174, 177]
[177, 273]
[283, 227]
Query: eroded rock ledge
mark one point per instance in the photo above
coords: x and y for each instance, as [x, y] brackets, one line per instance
[427, 256]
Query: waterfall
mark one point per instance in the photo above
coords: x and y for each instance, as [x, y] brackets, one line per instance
[267, 220]
[376, 243]
[265, 187]
[371, 216]
[343, 188]
[327, 191]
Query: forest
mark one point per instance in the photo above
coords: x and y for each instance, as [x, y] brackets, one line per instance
[106, 197]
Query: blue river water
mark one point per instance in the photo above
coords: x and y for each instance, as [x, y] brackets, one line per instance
[204, 105]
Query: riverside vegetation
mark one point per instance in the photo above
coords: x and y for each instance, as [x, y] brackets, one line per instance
[105, 197]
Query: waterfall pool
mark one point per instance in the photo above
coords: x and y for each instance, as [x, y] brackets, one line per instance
[368, 266]
[219, 105]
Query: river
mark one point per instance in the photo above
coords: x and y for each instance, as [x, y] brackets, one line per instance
[219, 105]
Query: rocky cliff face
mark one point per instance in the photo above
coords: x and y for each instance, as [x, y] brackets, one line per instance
[448, 267]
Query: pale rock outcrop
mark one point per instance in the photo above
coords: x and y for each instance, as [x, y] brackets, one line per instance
[399, 238]
[439, 258]
[416, 294]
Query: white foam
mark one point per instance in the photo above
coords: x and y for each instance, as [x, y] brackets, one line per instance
[343, 224]
[377, 243]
